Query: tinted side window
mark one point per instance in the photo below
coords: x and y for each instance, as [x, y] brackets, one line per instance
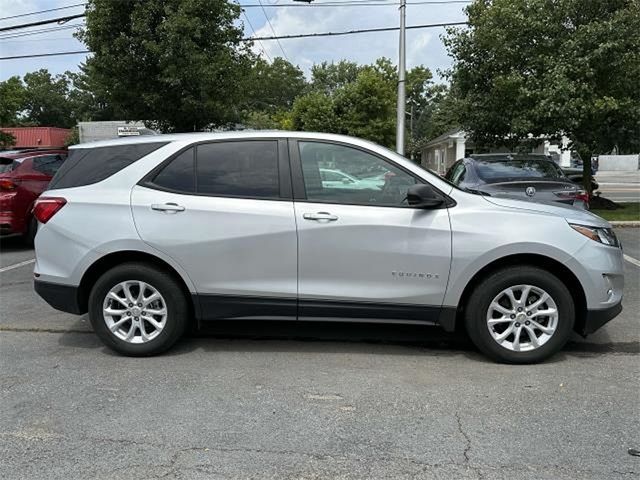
[238, 169]
[179, 174]
[92, 165]
[48, 164]
[367, 179]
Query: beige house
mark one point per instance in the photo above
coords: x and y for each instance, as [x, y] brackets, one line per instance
[443, 151]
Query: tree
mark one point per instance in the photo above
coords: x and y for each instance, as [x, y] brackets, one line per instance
[271, 89]
[178, 64]
[11, 101]
[46, 100]
[7, 140]
[535, 68]
[329, 77]
[359, 100]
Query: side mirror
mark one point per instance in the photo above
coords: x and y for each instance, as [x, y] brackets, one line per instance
[422, 195]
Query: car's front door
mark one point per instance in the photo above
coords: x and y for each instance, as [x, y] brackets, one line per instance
[363, 253]
[223, 211]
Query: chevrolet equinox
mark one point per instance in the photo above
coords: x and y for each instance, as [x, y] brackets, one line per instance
[146, 234]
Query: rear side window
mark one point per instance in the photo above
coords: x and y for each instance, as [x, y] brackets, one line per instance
[8, 165]
[48, 164]
[238, 169]
[86, 166]
[179, 174]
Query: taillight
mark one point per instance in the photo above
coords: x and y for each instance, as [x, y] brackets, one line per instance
[6, 184]
[47, 207]
[582, 195]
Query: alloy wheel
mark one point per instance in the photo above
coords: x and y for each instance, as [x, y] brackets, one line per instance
[134, 311]
[522, 318]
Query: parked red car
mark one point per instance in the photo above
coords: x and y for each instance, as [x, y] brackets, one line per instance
[24, 175]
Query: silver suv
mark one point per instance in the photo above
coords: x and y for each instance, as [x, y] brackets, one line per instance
[150, 233]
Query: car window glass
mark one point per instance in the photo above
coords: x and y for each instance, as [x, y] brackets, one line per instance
[86, 166]
[179, 174]
[48, 164]
[458, 173]
[362, 178]
[8, 165]
[239, 169]
[527, 168]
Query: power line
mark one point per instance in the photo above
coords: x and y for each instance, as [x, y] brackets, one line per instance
[43, 22]
[39, 32]
[272, 29]
[282, 37]
[44, 11]
[352, 32]
[254, 32]
[333, 3]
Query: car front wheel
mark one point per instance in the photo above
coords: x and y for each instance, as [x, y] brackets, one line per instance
[520, 315]
[138, 310]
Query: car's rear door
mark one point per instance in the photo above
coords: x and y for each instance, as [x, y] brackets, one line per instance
[223, 210]
[363, 253]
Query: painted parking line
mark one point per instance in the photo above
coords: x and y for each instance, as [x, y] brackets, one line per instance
[629, 259]
[17, 265]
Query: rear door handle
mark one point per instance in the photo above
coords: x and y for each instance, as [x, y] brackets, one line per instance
[320, 216]
[167, 207]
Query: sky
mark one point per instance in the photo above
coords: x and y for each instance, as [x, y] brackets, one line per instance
[423, 46]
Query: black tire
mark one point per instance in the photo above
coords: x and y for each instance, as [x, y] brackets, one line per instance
[172, 293]
[482, 296]
[30, 235]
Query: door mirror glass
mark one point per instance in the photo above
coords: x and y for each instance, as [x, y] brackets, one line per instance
[423, 196]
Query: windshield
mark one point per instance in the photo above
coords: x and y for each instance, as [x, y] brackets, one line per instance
[522, 168]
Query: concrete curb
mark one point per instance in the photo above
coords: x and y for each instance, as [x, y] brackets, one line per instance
[625, 223]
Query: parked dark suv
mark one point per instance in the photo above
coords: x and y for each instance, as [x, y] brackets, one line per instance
[532, 177]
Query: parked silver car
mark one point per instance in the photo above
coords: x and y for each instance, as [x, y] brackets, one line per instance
[148, 233]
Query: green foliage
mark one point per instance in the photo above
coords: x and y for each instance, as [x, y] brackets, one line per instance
[329, 77]
[546, 68]
[360, 100]
[178, 64]
[11, 101]
[46, 100]
[73, 137]
[7, 140]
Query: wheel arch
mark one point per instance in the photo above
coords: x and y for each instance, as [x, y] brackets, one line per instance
[553, 266]
[100, 266]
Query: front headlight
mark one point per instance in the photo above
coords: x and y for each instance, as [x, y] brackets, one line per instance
[599, 234]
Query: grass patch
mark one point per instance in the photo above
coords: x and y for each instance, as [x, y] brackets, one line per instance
[629, 211]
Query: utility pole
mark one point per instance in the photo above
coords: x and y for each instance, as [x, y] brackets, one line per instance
[401, 82]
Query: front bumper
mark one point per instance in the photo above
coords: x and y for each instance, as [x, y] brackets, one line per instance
[61, 297]
[597, 318]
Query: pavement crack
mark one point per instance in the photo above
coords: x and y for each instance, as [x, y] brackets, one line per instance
[467, 447]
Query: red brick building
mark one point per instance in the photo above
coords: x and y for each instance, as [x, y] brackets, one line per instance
[38, 137]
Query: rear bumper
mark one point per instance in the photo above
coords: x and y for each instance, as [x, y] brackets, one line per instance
[60, 297]
[597, 318]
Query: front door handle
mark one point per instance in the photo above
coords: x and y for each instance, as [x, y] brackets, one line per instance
[320, 216]
[167, 207]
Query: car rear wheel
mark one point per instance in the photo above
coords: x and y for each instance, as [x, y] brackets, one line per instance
[520, 315]
[138, 310]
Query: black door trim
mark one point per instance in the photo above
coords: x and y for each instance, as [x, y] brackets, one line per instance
[240, 307]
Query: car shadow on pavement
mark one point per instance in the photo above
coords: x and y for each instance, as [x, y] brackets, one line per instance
[330, 337]
[13, 243]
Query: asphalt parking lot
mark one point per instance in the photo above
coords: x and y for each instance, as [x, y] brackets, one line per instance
[310, 401]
